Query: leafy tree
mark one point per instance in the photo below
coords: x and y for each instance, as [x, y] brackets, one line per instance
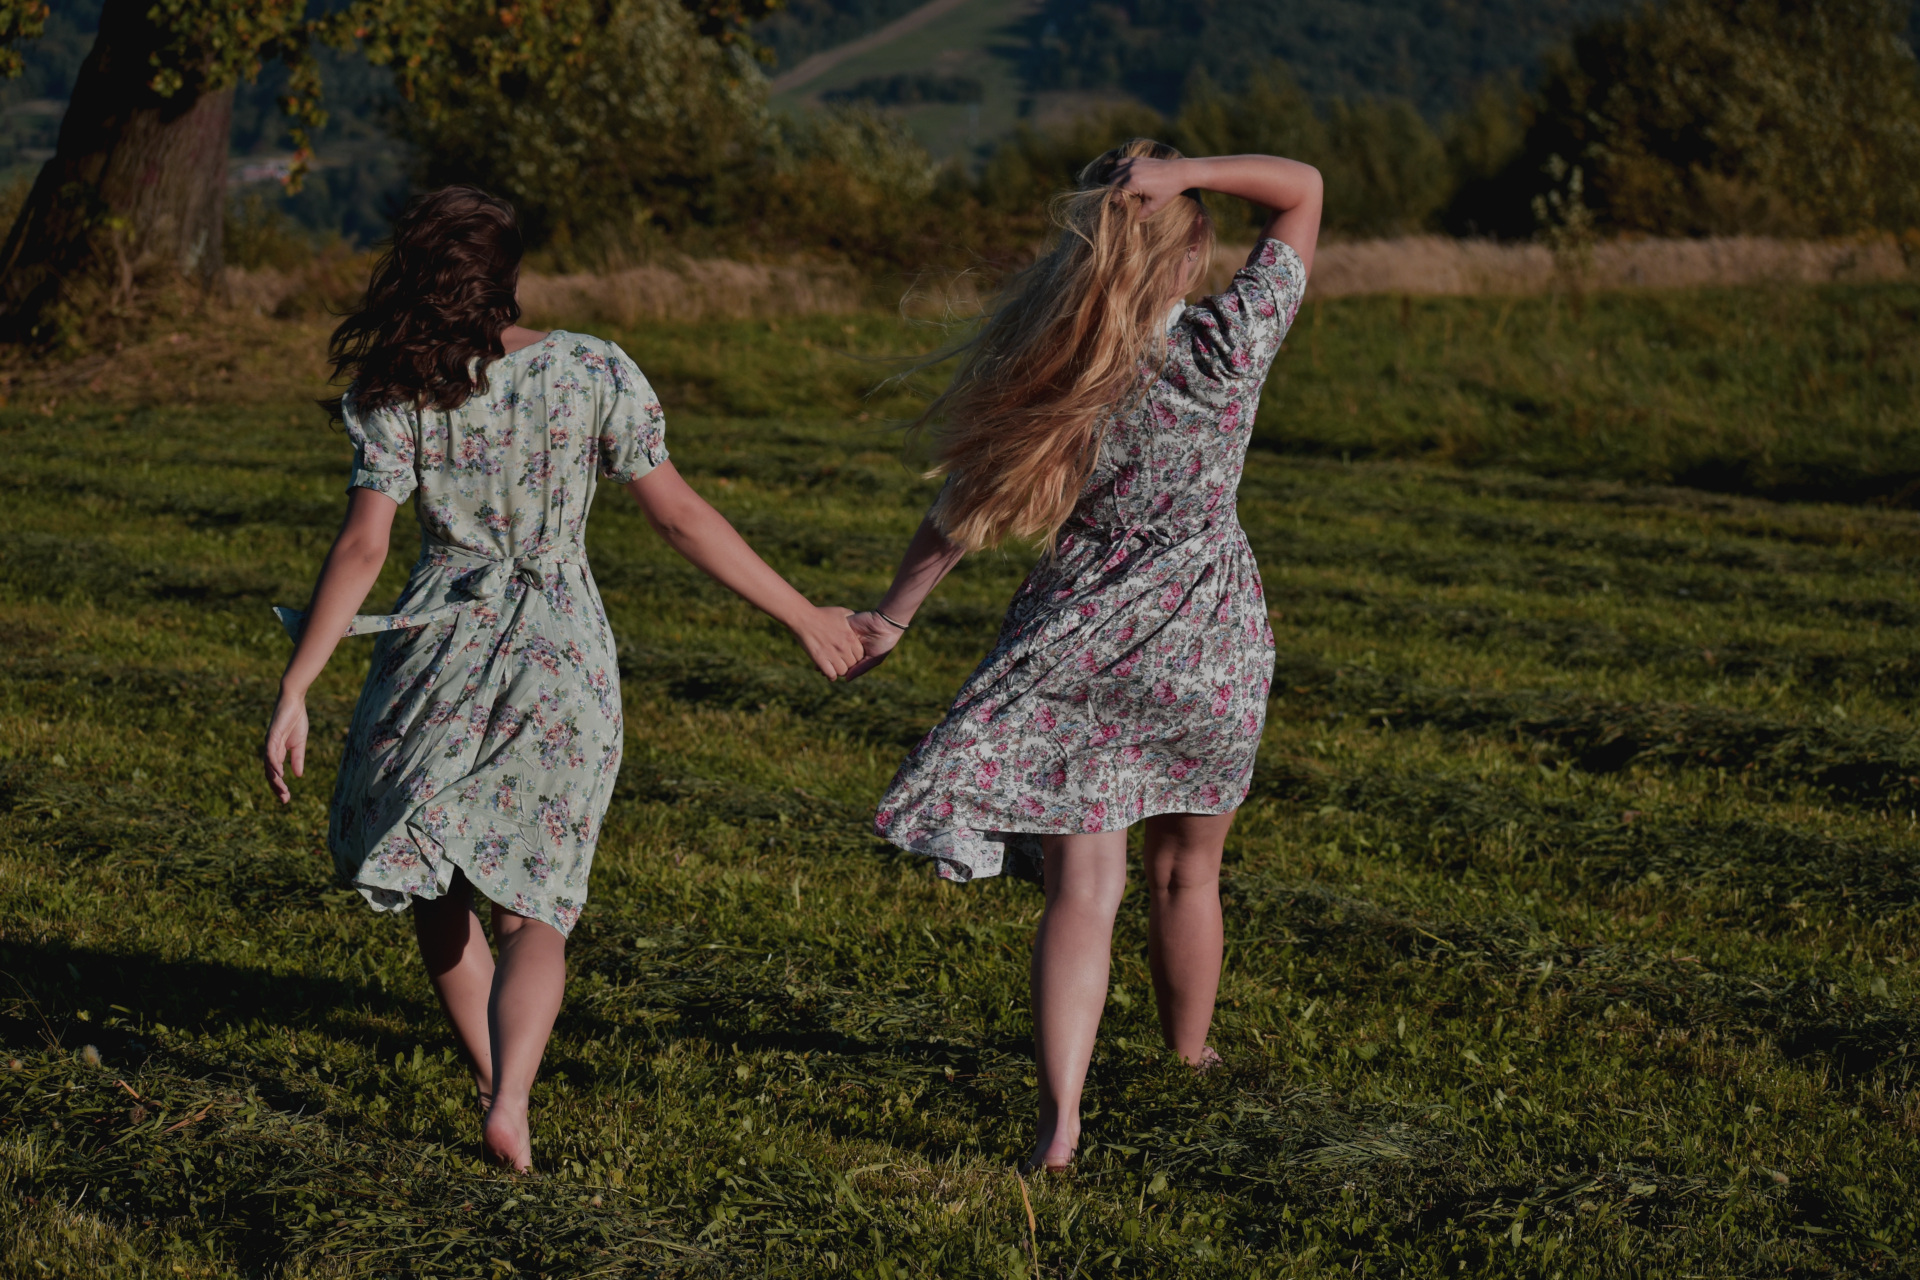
[1715, 116]
[640, 125]
[1386, 171]
[136, 189]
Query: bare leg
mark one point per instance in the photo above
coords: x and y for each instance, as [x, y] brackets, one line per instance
[1184, 934]
[1086, 875]
[527, 987]
[461, 966]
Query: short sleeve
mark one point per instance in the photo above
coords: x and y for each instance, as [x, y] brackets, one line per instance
[633, 427]
[385, 443]
[1235, 334]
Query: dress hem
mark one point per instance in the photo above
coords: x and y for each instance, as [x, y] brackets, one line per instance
[1022, 846]
[439, 862]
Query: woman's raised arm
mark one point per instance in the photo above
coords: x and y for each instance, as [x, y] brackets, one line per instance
[1291, 189]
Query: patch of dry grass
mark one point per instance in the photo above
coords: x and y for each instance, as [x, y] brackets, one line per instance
[1438, 265]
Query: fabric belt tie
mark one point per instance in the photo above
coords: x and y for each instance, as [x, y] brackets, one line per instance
[486, 578]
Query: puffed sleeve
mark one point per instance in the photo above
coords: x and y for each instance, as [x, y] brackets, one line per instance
[633, 428]
[385, 443]
[1234, 335]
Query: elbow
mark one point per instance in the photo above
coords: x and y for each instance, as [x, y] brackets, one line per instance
[675, 521]
[366, 553]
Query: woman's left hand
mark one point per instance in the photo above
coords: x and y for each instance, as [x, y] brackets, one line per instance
[286, 736]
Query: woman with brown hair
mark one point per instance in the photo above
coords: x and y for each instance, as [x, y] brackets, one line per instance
[483, 750]
[1096, 413]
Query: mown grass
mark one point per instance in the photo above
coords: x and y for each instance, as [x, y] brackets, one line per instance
[1572, 921]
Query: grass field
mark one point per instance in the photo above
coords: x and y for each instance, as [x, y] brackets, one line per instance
[1572, 921]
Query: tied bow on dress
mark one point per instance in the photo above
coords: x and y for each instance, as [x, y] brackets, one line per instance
[479, 577]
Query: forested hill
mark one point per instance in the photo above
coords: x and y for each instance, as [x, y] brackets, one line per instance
[1431, 54]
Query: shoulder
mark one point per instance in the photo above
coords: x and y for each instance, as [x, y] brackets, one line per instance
[1275, 257]
[381, 420]
[601, 360]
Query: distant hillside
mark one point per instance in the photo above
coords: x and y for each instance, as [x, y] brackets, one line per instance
[1431, 54]
[806, 27]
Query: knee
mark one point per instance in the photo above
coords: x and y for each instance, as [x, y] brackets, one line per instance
[1184, 871]
[1088, 896]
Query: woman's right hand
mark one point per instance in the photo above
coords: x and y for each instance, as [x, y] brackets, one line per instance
[823, 631]
[286, 736]
[1156, 182]
[877, 639]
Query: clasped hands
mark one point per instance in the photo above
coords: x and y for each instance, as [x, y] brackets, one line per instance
[845, 645]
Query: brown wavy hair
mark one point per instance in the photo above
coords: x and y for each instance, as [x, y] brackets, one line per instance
[439, 298]
[1073, 340]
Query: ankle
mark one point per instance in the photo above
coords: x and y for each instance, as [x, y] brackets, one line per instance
[507, 1108]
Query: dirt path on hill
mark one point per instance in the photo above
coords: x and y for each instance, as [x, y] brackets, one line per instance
[819, 64]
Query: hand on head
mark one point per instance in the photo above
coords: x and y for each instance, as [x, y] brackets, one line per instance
[877, 638]
[1154, 182]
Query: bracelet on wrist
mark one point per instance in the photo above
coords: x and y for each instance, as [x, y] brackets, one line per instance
[898, 626]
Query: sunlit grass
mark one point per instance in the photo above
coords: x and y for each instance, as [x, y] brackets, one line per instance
[1571, 921]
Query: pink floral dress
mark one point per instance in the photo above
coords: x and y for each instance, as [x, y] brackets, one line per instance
[1131, 673]
[488, 734]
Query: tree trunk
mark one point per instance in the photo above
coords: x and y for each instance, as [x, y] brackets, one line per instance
[134, 196]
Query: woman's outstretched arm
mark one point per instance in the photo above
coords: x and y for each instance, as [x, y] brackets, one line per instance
[929, 558]
[693, 528]
[1291, 189]
[352, 567]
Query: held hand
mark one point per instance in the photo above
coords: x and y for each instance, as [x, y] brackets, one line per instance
[877, 639]
[828, 640]
[286, 735]
[1155, 181]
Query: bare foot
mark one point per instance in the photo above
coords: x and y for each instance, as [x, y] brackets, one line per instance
[1207, 1061]
[1054, 1150]
[507, 1138]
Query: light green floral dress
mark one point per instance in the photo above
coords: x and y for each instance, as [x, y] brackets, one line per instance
[488, 734]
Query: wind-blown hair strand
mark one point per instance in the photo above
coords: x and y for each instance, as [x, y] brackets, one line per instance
[1071, 341]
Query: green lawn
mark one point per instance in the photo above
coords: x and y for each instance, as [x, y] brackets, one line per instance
[1572, 920]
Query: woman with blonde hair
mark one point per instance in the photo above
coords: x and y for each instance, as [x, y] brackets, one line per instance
[1098, 414]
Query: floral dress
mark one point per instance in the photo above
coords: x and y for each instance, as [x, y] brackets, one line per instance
[488, 733]
[1131, 673]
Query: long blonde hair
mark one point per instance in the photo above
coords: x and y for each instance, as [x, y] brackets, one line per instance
[1071, 341]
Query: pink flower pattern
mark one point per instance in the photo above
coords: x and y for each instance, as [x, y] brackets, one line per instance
[1131, 673]
[488, 734]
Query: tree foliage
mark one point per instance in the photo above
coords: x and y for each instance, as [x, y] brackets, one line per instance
[592, 118]
[1797, 117]
[19, 20]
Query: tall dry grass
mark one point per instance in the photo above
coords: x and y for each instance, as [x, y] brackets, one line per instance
[722, 289]
[1437, 265]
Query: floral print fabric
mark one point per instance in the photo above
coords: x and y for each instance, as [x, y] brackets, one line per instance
[1131, 673]
[489, 730]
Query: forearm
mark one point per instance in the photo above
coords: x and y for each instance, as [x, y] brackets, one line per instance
[352, 567]
[929, 558]
[1291, 189]
[1274, 181]
[716, 548]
